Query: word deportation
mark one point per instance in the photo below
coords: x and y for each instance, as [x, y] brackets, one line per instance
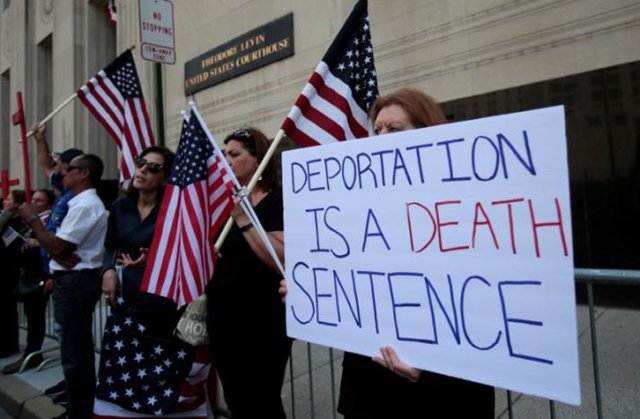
[361, 298]
[483, 159]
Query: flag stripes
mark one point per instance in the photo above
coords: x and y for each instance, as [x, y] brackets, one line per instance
[334, 103]
[114, 97]
[196, 205]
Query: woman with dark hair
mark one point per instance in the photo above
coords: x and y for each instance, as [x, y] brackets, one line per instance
[10, 270]
[385, 387]
[244, 309]
[132, 221]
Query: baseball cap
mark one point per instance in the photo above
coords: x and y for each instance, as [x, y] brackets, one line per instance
[70, 154]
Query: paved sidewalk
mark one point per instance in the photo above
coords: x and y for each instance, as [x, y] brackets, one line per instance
[619, 357]
[21, 395]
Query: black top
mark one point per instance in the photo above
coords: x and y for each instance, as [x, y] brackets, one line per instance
[369, 390]
[243, 293]
[127, 233]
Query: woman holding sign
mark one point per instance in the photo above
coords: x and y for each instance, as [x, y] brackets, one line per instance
[385, 386]
[244, 309]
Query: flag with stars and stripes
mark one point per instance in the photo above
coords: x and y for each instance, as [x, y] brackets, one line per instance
[114, 97]
[334, 103]
[138, 372]
[197, 202]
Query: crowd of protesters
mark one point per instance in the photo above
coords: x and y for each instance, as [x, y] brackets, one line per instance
[72, 246]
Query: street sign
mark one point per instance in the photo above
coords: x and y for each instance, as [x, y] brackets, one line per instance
[157, 37]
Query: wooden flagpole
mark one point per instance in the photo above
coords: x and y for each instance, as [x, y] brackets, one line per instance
[242, 197]
[55, 111]
[59, 108]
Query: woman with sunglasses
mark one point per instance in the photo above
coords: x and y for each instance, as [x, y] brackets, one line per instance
[244, 309]
[132, 221]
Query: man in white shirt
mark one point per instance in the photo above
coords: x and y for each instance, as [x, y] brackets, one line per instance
[76, 252]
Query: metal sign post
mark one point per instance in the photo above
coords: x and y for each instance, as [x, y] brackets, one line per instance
[157, 43]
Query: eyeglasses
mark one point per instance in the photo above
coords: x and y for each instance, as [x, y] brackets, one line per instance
[152, 166]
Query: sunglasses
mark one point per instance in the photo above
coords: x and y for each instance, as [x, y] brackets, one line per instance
[244, 136]
[152, 166]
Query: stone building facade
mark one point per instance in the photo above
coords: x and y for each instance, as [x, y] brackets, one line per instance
[478, 57]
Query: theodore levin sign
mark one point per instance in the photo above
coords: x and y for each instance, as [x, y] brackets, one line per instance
[254, 49]
[450, 243]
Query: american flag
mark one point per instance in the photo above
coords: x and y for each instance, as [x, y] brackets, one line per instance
[334, 103]
[141, 375]
[196, 204]
[114, 97]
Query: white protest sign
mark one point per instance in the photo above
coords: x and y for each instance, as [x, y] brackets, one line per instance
[157, 38]
[450, 243]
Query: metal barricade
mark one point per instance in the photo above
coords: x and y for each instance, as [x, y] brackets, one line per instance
[51, 348]
[312, 378]
[310, 391]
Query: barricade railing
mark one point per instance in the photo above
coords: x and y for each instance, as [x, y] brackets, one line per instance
[311, 369]
[310, 390]
[51, 349]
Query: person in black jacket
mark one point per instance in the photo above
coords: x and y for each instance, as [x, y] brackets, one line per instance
[10, 271]
[33, 287]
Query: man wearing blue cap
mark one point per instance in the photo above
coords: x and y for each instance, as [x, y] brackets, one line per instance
[54, 166]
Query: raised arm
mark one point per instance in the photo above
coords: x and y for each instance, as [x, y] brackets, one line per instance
[45, 161]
